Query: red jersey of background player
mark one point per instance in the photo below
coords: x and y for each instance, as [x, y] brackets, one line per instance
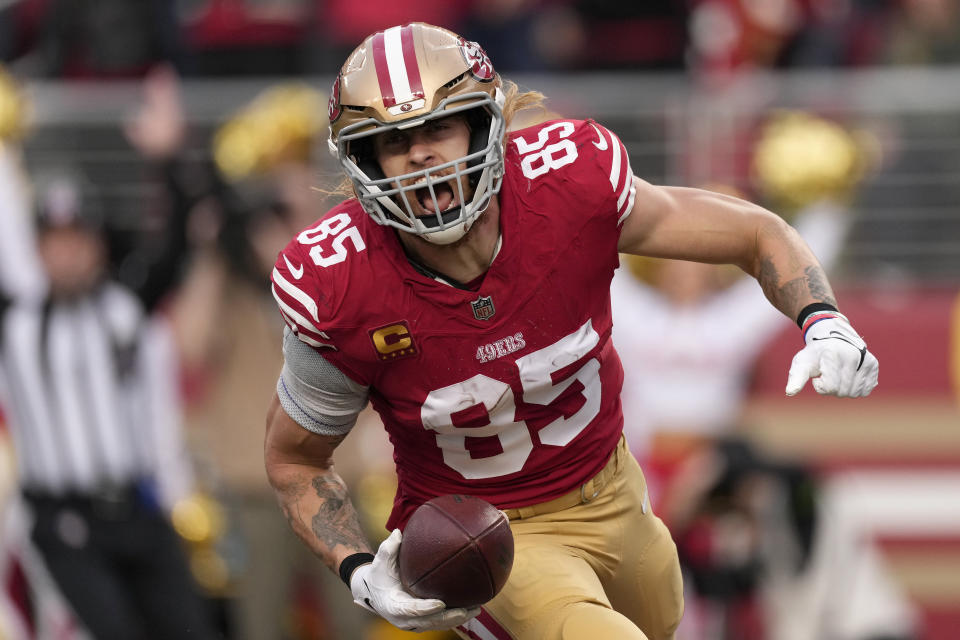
[507, 389]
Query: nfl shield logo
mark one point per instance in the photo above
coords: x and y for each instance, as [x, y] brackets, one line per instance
[483, 308]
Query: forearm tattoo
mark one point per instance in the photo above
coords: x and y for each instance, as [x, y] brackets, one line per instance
[793, 294]
[318, 508]
[336, 521]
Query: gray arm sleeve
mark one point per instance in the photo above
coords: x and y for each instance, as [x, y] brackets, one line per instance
[317, 395]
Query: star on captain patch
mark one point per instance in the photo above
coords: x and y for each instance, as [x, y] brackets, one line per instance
[483, 308]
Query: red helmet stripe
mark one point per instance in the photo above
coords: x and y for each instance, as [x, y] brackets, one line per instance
[395, 59]
[410, 60]
[383, 69]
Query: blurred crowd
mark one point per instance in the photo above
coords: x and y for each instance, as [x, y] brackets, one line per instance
[198, 263]
[710, 38]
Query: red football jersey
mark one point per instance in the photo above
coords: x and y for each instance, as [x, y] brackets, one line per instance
[509, 392]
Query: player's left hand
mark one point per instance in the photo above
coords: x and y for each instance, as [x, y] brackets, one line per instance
[837, 359]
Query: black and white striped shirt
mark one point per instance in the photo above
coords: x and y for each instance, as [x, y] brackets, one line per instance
[89, 389]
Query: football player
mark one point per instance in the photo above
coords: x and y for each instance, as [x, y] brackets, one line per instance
[464, 292]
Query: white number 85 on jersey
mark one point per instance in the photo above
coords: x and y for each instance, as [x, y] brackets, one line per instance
[497, 398]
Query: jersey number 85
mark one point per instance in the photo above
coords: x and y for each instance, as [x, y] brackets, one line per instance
[497, 398]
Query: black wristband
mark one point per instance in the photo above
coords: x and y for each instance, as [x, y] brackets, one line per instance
[812, 308]
[351, 562]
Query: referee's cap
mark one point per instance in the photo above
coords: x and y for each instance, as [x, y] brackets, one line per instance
[64, 197]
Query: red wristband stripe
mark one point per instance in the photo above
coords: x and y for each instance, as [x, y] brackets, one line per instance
[814, 318]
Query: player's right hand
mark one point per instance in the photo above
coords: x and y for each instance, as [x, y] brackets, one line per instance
[377, 587]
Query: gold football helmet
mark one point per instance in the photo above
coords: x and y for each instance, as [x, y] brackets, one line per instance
[401, 78]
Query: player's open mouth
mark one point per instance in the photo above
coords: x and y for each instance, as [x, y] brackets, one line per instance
[442, 198]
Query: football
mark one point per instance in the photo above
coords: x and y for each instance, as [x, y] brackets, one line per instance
[458, 549]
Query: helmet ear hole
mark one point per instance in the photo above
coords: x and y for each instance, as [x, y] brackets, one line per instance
[362, 152]
[478, 121]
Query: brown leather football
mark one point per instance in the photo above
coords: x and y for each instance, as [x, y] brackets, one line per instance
[458, 549]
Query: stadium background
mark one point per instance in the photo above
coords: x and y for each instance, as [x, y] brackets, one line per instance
[688, 86]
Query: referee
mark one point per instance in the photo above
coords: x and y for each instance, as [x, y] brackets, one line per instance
[90, 394]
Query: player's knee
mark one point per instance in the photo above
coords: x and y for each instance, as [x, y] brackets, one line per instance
[590, 621]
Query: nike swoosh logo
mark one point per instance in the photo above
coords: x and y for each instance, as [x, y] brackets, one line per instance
[602, 143]
[836, 335]
[296, 273]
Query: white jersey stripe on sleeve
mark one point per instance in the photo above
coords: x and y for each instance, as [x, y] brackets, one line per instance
[314, 343]
[615, 166]
[292, 313]
[302, 333]
[296, 294]
[619, 170]
[629, 207]
[628, 188]
[290, 323]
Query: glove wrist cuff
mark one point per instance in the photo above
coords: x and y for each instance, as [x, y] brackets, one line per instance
[351, 562]
[814, 313]
[815, 308]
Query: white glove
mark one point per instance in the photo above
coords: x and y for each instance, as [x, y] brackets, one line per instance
[377, 587]
[836, 358]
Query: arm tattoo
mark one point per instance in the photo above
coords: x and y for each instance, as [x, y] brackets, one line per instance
[336, 522]
[789, 296]
[818, 286]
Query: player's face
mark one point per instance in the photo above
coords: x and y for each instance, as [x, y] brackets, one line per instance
[433, 143]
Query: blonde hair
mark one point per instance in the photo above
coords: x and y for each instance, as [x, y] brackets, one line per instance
[515, 101]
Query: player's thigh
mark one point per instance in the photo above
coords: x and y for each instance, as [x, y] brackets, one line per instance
[552, 593]
[647, 586]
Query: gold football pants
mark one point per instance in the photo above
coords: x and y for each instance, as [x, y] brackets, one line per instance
[598, 570]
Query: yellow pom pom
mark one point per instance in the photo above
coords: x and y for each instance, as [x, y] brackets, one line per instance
[13, 108]
[198, 519]
[281, 124]
[802, 158]
[210, 570]
[236, 149]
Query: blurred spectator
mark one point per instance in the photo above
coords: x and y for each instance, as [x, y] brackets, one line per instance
[806, 168]
[730, 36]
[725, 503]
[245, 37]
[7, 38]
[19, 268]
[632, 35]
[154, 263]
[88, 382]
[924, 32]
[590, 35]
[343, 23]
[768, 559]
[103, 38]
[19, 26]
[523, 35]
[716, 39]
[240, 198]
[346, 21]
[833, 34]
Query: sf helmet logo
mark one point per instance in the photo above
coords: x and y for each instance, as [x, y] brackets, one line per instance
[333, 107]
[476, 57]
